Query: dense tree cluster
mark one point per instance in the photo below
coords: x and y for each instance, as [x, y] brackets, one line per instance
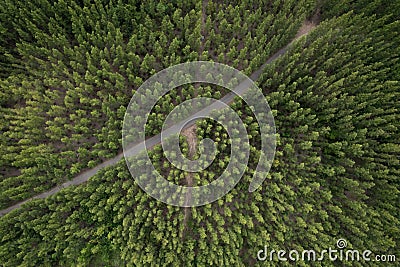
[254, 29]
[337, 94]
[71, 67]
[335, 174]
[379, 8]
[78, 68]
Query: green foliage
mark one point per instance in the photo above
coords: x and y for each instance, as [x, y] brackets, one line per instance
[69, 68]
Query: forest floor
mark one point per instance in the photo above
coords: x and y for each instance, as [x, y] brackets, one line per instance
[306, 28]
[86, 175]
[309, 25]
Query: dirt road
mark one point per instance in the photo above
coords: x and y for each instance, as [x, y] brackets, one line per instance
[149, 143]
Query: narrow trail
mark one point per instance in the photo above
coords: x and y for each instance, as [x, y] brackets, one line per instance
[191, 137]
[151, 142]
[191, 132]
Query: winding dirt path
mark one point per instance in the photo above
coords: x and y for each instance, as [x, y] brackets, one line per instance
[149, 143]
